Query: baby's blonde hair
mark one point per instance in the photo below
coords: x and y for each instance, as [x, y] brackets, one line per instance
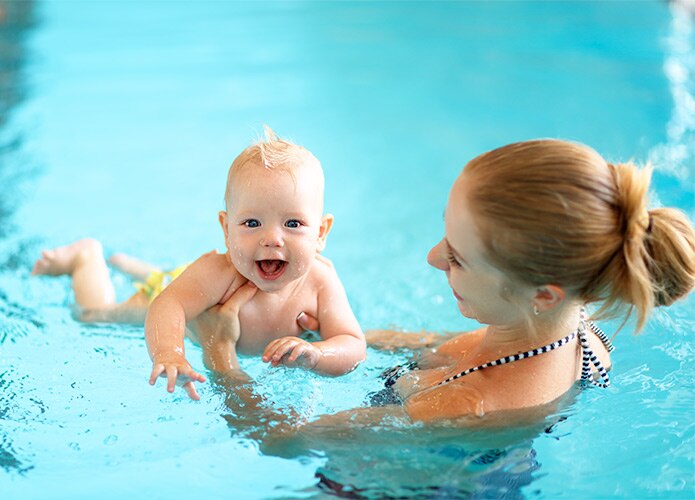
[272, 152]
[555, 212]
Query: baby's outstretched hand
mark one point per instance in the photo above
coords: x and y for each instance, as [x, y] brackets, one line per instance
[292, 352]
[177, 371]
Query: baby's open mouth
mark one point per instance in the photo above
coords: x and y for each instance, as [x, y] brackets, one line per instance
[271, 269]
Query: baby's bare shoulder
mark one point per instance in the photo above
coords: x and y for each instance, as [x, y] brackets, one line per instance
[323, 272]
[213, 264]
[214, 258]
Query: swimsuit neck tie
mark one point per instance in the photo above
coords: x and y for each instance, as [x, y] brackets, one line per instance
[588, 356]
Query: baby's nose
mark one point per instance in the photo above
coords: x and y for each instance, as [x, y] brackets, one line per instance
[272, 237]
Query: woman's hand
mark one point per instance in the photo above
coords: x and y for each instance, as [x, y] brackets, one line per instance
[218, 330]
[308, 323]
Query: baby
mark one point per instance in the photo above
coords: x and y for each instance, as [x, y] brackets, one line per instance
[274, 229]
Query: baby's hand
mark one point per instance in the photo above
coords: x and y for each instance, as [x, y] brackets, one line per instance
[292, 352]
[177, 371]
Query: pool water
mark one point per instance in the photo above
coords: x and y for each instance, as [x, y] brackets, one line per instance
[118, 120]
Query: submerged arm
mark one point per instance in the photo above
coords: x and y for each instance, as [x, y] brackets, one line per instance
[391, 340]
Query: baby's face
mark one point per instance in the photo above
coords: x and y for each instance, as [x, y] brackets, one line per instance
[273, 225]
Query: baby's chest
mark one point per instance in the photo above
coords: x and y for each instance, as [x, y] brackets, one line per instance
[263, 322]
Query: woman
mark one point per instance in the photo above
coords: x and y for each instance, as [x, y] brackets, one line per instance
[534, 232]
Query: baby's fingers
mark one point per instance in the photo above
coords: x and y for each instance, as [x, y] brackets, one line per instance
[281, 347]
[270, 349]
[189, 374]
[172, 375]
[298, 351]
[191, 391]
[157, 370]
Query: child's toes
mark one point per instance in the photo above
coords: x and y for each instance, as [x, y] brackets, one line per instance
[39, 267]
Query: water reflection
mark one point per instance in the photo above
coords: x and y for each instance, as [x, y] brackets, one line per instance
[16, 22]
[494, 457]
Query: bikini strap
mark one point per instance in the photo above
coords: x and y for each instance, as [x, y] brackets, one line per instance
[604, 338]
[588, 356]
[516, 357]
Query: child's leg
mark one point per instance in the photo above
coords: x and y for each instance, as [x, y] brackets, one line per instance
[132, 266]
[84, 261]
[133, 310]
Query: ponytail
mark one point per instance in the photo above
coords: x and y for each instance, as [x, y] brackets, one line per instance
[655, 263]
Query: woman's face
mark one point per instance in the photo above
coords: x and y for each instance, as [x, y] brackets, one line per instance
[482, 291]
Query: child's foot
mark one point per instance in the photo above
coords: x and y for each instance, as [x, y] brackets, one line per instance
[132, 266]
[62, 260]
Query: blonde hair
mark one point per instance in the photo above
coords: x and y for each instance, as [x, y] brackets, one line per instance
[555, 212]
[271, 152]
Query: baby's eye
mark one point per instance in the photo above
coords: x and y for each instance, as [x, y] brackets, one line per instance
[293, 223]
[252, 223]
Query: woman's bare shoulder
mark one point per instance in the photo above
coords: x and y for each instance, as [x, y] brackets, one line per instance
[461, 343]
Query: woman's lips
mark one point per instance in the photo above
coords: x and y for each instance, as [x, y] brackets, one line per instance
[458, 297]
[271, 269]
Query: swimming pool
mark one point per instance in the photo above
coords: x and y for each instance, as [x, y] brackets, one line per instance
[119, 120]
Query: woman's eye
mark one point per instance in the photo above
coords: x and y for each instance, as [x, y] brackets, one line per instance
[452, 260]
[293, 223]
[252, 223]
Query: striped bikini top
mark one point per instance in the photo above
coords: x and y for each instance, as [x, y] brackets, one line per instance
[588, 356]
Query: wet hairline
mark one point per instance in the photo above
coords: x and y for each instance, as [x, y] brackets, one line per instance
[293, 169]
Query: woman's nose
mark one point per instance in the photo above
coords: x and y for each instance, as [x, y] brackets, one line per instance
[436, 257]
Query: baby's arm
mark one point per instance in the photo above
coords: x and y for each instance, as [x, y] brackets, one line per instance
[343, 346]
[202, 285]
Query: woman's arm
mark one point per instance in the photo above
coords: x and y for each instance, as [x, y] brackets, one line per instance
[391, 340]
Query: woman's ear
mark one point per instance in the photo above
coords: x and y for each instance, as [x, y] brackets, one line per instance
[324, 229]
[547, 297]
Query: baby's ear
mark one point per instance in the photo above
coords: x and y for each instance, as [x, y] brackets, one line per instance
[326, 225]
[222, 216]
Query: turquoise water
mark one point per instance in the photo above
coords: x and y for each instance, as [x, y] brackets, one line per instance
[118, 121]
